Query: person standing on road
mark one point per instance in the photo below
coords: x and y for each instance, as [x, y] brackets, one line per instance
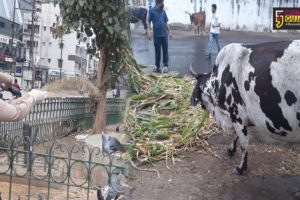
[214, 30]
[161, 31]
[18, 109]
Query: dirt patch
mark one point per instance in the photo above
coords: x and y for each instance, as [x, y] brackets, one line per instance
[274, 173]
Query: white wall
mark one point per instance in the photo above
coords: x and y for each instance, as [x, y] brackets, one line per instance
[254, 15]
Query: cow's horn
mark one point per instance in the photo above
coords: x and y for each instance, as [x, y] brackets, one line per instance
[186, 12]
[193, 71]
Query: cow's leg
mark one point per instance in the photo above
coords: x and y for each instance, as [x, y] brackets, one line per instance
[195, 29]
[144, 19]
[201, 30]
[232, 148]
[244, 142]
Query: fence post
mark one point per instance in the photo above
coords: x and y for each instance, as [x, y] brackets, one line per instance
[27, 138]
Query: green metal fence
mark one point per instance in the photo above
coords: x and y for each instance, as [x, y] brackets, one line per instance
[30, 155]
[115, 111]
[57, 117]
[52, 118]
[56, 168]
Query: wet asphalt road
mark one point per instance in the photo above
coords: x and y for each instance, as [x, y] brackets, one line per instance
[185, 48]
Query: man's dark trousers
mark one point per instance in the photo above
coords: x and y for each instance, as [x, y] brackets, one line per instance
[161, 43]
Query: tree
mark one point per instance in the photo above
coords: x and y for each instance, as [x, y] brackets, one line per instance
[106, 22]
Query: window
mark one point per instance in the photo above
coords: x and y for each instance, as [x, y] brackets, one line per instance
[2, 25]
[35, 44]
[45, 28]
[44, 43]
[49, 60]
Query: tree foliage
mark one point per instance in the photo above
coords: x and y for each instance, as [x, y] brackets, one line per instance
[103, 21]
[106, 22]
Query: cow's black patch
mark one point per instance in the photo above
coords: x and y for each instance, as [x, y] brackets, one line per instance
[261, 57]
[237, 97]
[282, 133]
[233, 115]
[227, 77]
[228, 99]
[222, 96]
[247, 85]
[245, 131]
[270, 128]
[251, 76]
[298, 116]
[216, 86]
[231, 110]
[236, 94]
[290, 98]
[215, 70]
[239, 120]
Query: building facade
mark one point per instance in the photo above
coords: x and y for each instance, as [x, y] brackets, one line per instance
[71, 48]
[11, 47]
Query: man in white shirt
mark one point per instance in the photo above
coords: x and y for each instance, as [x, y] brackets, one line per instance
[214, 30]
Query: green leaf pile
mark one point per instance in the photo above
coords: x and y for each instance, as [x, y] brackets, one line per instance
[161, 121]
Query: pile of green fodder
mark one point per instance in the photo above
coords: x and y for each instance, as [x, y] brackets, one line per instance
[161, 122]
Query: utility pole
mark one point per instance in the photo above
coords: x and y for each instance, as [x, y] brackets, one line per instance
[31, 63]
[12, 36]
[60, 61]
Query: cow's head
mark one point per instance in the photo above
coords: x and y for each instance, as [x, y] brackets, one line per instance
[192, 16]
[198, 95]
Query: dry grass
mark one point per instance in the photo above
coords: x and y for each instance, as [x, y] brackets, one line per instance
[73, 87]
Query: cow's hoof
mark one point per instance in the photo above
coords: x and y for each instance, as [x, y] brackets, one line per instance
[238, 171]
[230, 152]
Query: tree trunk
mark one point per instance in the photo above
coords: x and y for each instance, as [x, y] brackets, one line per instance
[103, 69]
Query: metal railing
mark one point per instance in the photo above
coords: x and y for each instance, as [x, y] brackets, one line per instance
[58, 117]
[52, 118]
[57, 169]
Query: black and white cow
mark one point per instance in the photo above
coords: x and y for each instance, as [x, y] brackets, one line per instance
[254, 87]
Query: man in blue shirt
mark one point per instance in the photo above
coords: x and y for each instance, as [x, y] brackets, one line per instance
[161, 31]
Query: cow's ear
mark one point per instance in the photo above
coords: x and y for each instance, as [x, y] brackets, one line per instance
[215, 68]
